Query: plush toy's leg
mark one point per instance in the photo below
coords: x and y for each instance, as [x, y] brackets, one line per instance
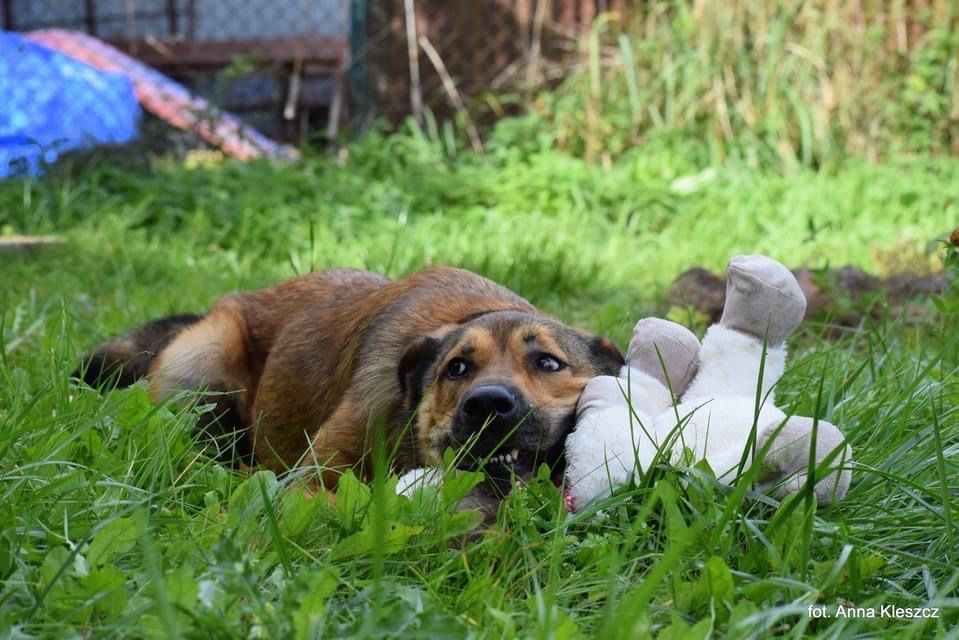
[613, 433]
[666, 351]
[763, 303]
[763, 299]
[785, 468]
[717, 431]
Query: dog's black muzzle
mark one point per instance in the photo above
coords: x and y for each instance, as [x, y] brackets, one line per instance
[499, 431]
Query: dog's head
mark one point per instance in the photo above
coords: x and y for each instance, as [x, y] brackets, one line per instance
[502, 390]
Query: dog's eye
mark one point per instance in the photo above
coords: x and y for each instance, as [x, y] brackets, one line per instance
[548, 363]
[457, 368]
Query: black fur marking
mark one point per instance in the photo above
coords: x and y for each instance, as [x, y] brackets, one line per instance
[101, 370]
[414, 366]
[124, 360]
[606, 356]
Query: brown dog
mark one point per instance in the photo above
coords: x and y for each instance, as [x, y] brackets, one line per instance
[304, 371]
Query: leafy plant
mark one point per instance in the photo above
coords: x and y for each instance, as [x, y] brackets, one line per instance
[774, 84]
[948, 302]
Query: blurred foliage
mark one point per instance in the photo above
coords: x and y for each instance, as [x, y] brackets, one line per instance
[770, 83]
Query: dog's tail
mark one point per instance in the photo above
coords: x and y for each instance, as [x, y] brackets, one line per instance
[122, 361]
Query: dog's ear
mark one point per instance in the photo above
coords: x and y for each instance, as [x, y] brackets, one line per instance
[606, 356]
[414, 366]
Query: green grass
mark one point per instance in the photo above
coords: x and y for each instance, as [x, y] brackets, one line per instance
[768, 83]
[114, 525]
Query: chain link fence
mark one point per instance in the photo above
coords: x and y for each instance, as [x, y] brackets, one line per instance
[298, 66]
[278, 64]
[295, 67]
[480, 46]
[196, 20]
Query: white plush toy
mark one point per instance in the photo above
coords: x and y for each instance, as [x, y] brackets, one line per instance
[622, 423]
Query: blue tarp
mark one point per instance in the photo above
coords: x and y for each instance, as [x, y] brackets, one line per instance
[51, 103]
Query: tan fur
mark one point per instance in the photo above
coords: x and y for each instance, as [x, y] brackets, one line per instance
[211, 355]
[497, 359]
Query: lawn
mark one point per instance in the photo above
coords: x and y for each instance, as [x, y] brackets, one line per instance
[115, 525]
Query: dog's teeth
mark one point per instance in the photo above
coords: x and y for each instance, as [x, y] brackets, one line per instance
[508, 457]
[515, 454]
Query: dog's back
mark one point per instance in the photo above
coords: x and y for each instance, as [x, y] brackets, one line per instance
[222, 353]
[285, 357]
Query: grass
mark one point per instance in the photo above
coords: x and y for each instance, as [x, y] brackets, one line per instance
[768, 83]
[114, 525]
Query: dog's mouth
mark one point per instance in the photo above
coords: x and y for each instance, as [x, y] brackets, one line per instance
[511, 465]
[516, 459]
[516, 463]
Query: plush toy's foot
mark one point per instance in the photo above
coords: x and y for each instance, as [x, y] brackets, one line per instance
[786, 465]
[678, 346]
[763, 299]
[416, 479]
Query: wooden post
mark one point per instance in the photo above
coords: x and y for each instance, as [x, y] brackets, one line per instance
[8, 16]
[90, 16]
[171, 17]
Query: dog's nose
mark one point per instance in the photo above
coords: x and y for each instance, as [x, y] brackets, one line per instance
[491, 401]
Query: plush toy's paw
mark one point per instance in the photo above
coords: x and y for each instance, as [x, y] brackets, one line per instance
[593, 463]
[611, 434]
[786, 466]
[600, 481]
[416, 479]
[599, 454]
[678, 346]
[763, 299]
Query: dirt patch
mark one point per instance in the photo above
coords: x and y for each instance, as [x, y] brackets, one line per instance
[842, 296]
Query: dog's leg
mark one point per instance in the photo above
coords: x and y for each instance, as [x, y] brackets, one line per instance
[211, 357]
[336, 447]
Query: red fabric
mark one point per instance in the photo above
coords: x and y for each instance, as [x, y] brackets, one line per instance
[163, 97]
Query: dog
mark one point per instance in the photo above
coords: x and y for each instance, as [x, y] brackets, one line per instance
[308, 370]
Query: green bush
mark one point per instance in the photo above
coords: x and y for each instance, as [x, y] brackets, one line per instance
[768, 83]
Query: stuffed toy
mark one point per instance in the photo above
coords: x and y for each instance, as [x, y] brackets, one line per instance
[677, 397]
[624, 423]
